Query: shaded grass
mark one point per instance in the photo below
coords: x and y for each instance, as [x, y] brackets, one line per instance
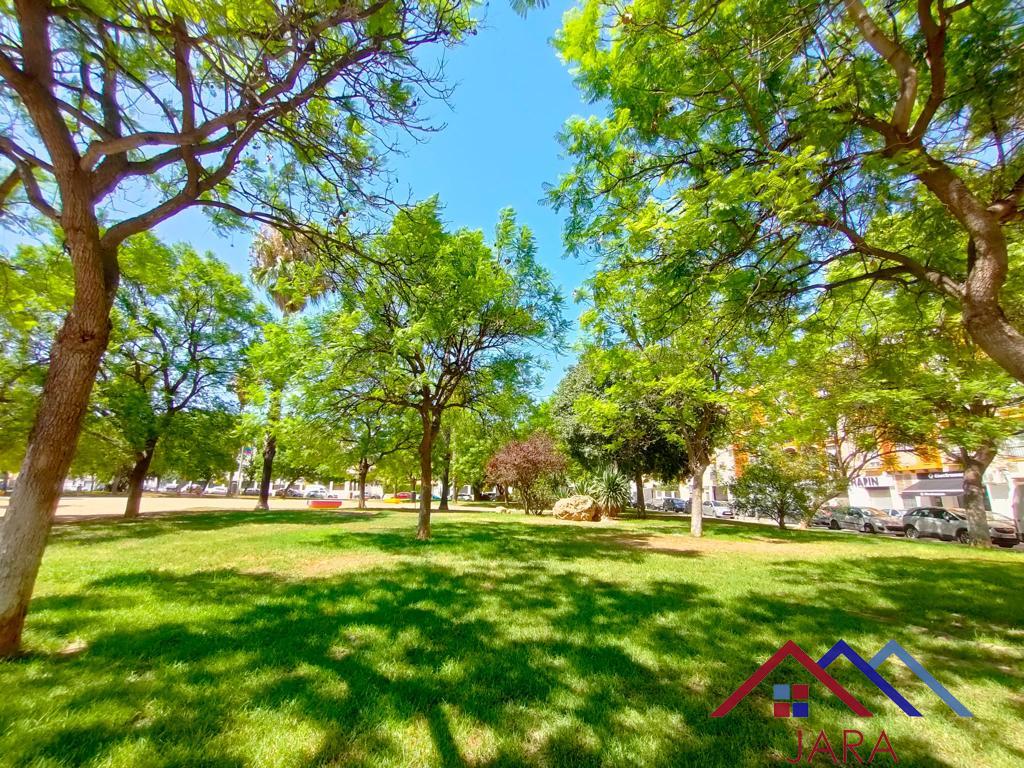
[312, 638]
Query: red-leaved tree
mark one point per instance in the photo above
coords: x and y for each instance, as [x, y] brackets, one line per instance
[523, 465]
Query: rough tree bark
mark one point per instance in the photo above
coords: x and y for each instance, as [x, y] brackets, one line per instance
[697, 499]
[269, 451]
[364, 470]
[426, 479]
[446, 468]
[74, 361]
[975, 463]
[641, 505]
[137, 479]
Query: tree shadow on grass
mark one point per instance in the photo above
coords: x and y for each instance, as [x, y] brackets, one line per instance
[520, 651]
[101, 531]
[362, 658]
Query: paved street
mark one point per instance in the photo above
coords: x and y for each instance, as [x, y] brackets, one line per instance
[99, 507]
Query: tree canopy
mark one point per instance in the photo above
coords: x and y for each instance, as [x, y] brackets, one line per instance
[395, 341]
[783, 148]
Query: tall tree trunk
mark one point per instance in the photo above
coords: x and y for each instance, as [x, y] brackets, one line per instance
[641, 504]
[975, 463]
[74, 360]
[426, 479]
[364, 469]
[446, 468]
[478, 493]
[269, 450]
[697, 500]
[137, 479]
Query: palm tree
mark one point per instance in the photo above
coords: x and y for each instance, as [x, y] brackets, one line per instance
[286, 266]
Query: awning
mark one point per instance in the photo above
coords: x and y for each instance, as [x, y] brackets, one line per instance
[935, 486]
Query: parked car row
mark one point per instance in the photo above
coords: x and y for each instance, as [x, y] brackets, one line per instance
[711, 507]
[948, 524]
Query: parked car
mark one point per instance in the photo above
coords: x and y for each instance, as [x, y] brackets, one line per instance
[216, 490]
[822, 517]
[252, 490]
[193, 488]
[865, 519]
[404, 495]
[288, 493]
[717, 508]
[951, 524]
[465, 497]
[315, 493]
[1003, 531]
[669, 504]
[894, 520]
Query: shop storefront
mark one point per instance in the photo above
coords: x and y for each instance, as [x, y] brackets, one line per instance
[935, 489]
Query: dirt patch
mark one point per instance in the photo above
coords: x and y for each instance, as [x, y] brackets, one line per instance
[332, 565]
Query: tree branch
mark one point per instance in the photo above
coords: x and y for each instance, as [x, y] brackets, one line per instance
[897, 58]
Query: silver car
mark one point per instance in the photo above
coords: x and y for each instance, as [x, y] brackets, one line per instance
[717, 508]
[951, 524]
[864, 519]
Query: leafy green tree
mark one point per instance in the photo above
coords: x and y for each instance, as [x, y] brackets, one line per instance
[837, 395]
[118, 116]
[791, 147]
[772, 487]
[374, 436]
[477, 435]
[956, 394]
[670, 360]
[442, 320]
[35, 292]
[181, 333]
[362, 435]
[605, 417]
[200, 445]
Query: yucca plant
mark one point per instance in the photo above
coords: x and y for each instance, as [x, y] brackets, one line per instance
[610, 489]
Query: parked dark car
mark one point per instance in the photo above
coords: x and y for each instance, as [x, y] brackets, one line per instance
[288, 493]
[864, 519]
[951, 524]
[668, 504]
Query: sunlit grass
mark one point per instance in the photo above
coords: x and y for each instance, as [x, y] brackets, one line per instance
[307, 638]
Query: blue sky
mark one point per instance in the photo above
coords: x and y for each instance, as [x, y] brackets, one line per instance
[498, 147]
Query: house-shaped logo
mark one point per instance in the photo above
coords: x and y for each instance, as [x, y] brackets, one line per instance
[792, 701]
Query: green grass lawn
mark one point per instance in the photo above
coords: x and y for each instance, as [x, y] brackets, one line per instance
[304, 638]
